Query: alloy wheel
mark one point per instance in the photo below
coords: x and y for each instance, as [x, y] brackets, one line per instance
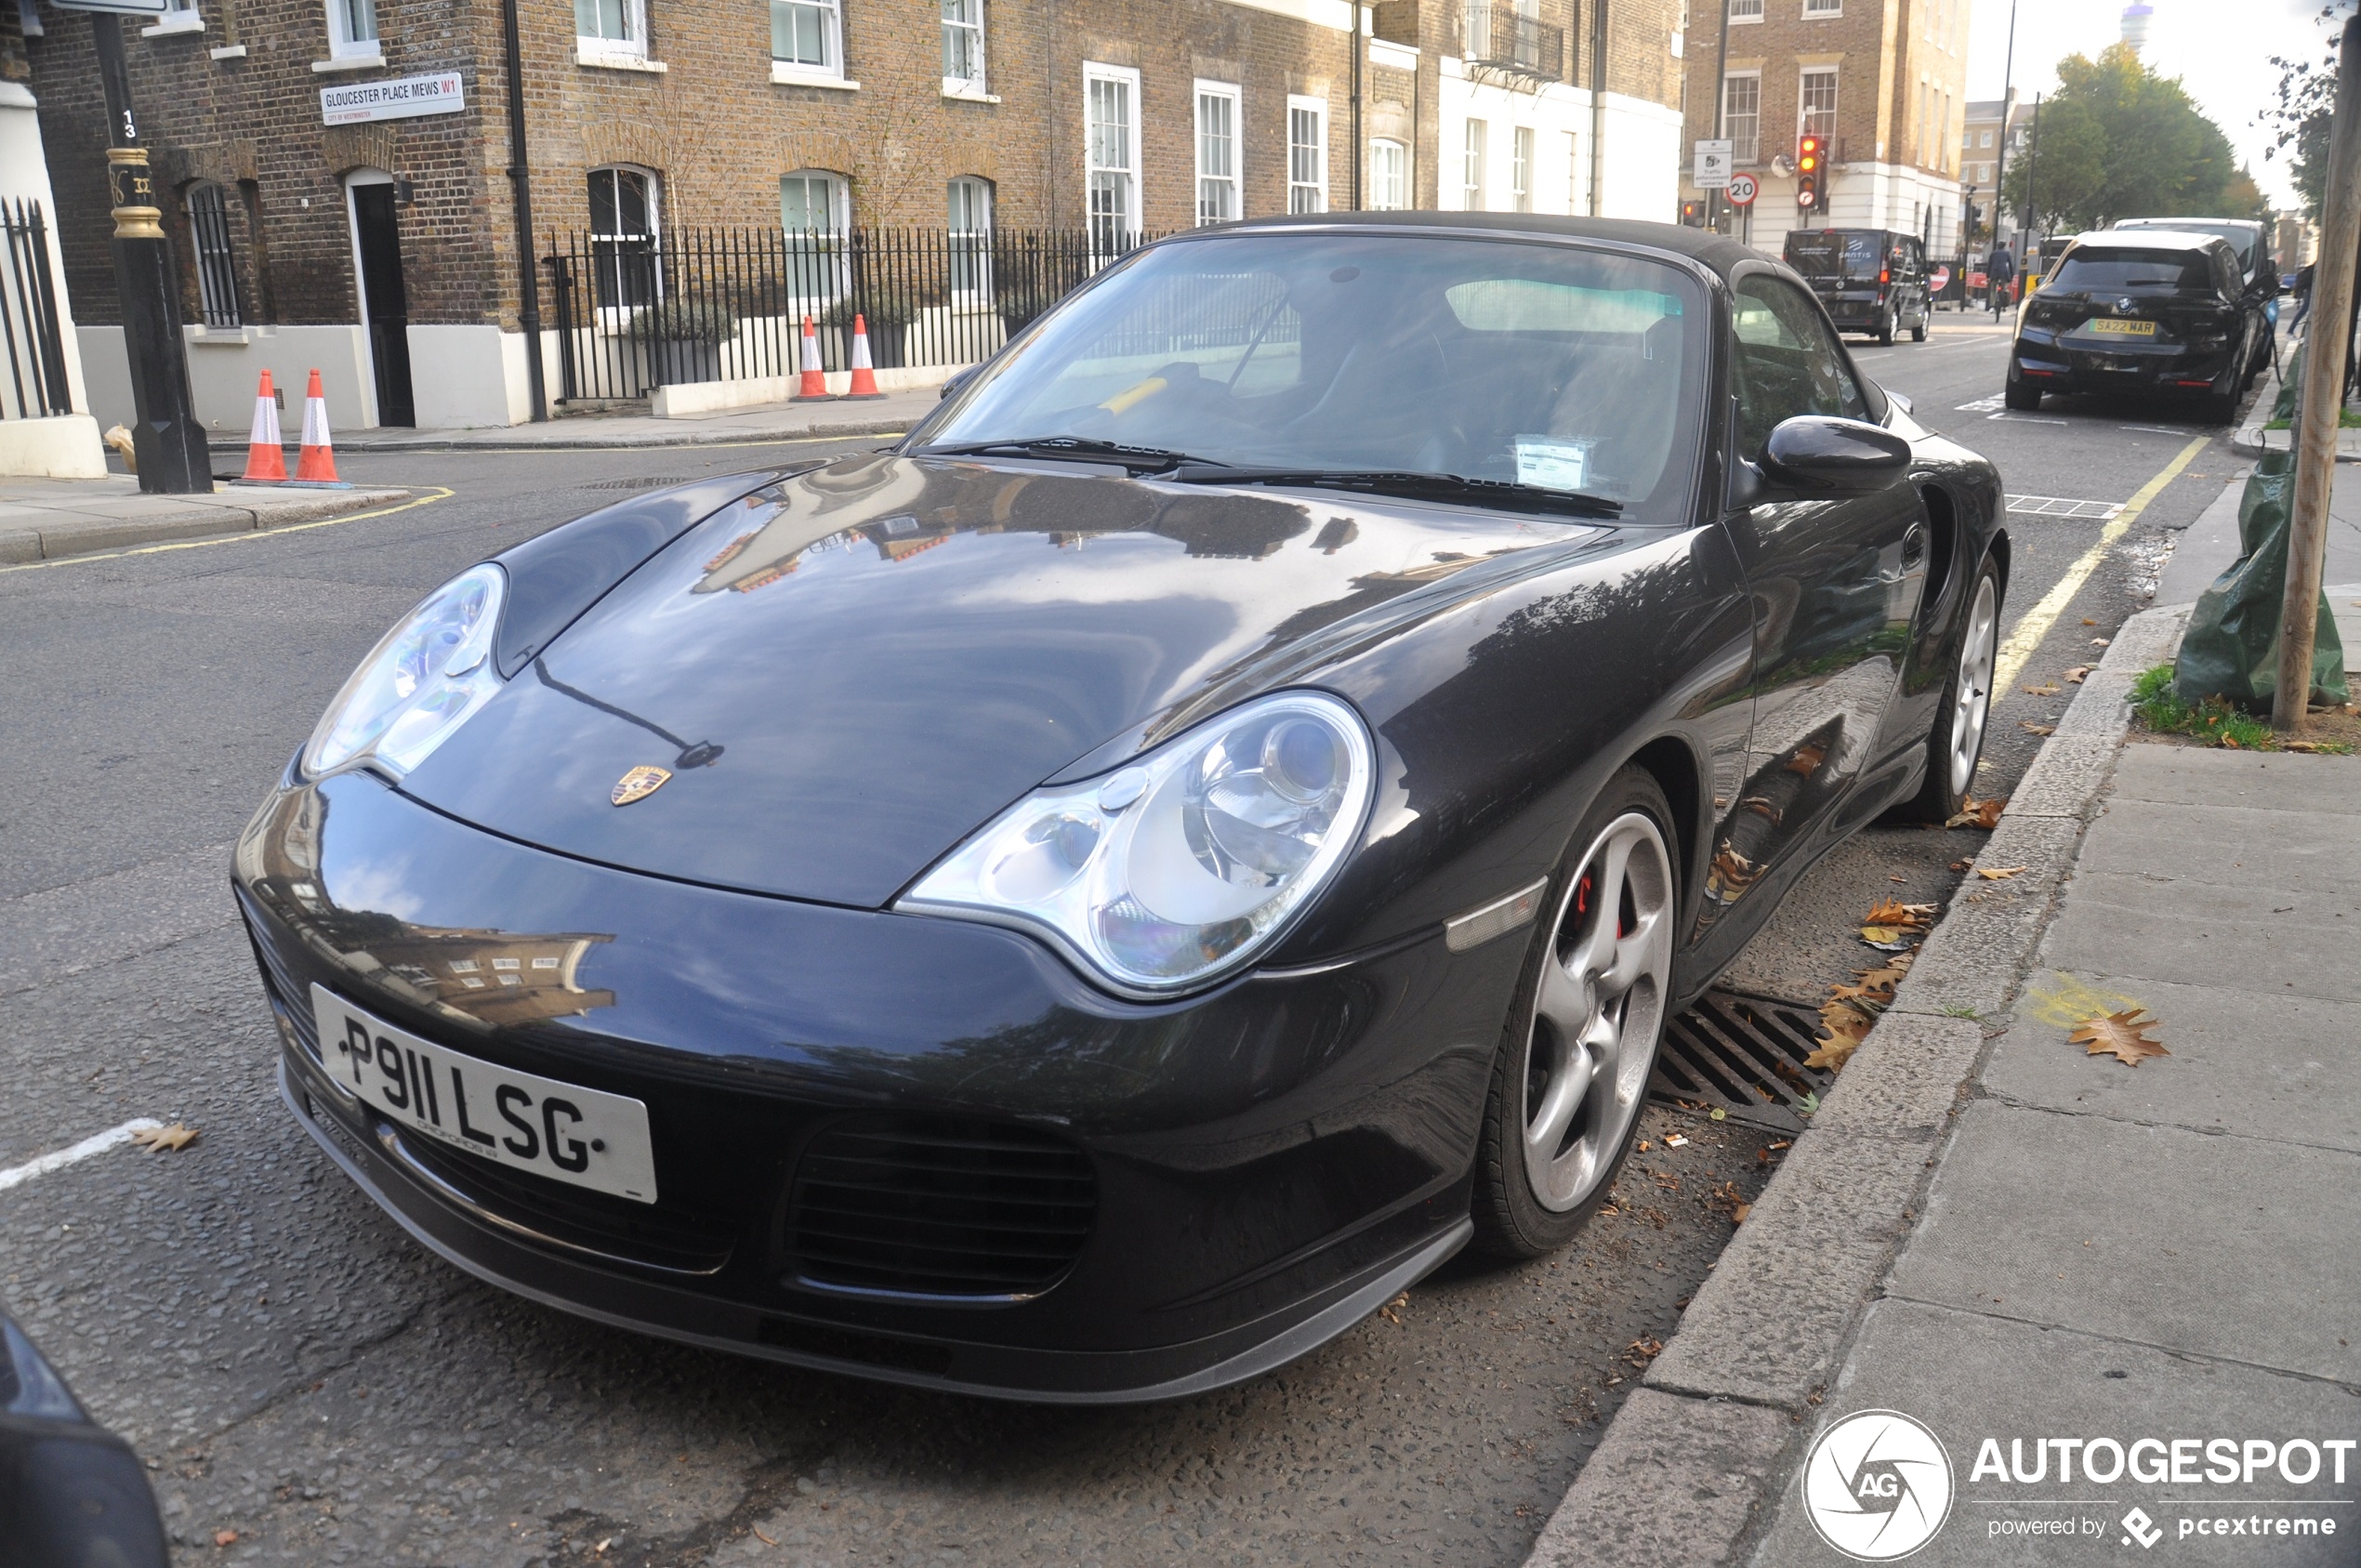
[1972, 688]
[1598, 1013]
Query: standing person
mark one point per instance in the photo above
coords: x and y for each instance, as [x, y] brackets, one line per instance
[2000, 271]
[2302, 292]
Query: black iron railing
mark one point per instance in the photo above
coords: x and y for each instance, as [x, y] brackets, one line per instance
[35, 384]
[634, 313]
[1501, 36]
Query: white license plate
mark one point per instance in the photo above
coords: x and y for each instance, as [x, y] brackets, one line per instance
[562, 1131]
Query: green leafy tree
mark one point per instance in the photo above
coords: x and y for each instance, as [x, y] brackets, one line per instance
[2301, 117]
[2117, 140]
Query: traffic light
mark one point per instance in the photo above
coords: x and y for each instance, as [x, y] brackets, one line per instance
[1807, 173]
[1692, 213]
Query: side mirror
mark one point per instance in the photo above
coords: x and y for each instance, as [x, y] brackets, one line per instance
[1815, 451]
[954, 382]
[73, 1492]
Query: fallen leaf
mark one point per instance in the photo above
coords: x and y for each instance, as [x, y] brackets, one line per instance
[1980, 813]
[1999, 873]
[2088, 621]
[2300, 746]
[1717, 1114]
[1959, 865]
[1739, 1214]
[2123, 1035]
[2099, 642]
[2040, 690]
[156, 1140]
[1641, 1351]
[1893, 912]
[1887, 939]
[225, 1538]
[2077, 673]
[1847, 1025]
[2037, 728]
[1807, 759]
[761, 1536]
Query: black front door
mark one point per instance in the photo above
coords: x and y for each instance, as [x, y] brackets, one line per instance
[1836, 585]
[387, 305]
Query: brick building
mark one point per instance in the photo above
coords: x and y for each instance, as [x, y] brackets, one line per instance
[354, 245]
[1882, 80]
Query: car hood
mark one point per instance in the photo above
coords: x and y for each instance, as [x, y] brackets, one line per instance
[850, 670]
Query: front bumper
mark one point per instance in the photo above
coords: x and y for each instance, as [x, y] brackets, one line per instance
[1270, 1161]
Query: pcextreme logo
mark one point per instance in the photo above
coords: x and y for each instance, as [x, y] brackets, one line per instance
[1878, 1485]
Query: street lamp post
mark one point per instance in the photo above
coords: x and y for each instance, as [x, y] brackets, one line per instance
[165, 438]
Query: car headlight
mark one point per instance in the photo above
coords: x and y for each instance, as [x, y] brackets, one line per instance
[420, 684]
[1178, 867]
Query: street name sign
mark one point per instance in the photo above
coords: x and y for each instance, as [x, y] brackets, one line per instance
[402, 98]
[1712, 171]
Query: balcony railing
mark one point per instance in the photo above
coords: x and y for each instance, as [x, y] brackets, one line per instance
[1505, 39]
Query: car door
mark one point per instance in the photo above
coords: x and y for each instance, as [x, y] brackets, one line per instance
[1834, 584]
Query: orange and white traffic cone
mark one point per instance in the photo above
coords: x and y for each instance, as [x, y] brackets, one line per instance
[266, 453]
[814, 385]
[864, 374]
[316, 463]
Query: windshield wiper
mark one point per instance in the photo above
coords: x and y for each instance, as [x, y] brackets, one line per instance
[1500, 494]
[1142, 459]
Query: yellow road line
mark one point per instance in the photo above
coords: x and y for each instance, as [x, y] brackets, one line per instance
[441, 493]
[2037, 622]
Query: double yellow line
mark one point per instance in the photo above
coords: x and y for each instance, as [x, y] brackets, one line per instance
[2037, 622]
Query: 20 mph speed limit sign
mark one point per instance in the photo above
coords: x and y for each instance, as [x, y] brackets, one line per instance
[1742, 190]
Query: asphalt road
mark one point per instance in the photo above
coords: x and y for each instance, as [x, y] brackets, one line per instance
[298, 1373]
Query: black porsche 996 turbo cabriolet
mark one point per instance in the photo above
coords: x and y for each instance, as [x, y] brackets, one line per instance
[1089, 902]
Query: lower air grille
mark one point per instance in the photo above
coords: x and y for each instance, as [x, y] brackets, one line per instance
[289, 998]
[939, 1205]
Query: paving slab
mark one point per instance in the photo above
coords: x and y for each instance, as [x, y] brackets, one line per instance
[2230, 845]
[1712, 1453]
[1964, 1376]
[2300, 941]
[2207, 777]
[2233, 1247]
[2243, 1062]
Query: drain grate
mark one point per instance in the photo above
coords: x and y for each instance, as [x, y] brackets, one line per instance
[1743, 1055]
[657, 483]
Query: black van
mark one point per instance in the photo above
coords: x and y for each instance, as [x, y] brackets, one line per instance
[1871, 280]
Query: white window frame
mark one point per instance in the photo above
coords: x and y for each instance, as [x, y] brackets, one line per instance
[1307, 196]
[1112, 235]
[1743, 12]
[1815, 9]
[1803, 114]
[1474, 138]
[832, 280]
[1219, 198]
[591, 47]
[829, 71]
[1747, 147]
[1389, 175]
[971, 240]
[1521, 168]
[969, 21]
[614, 316]
[179, 16]
[344, 41]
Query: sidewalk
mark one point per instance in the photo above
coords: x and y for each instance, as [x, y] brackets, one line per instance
[890, 414]
[49, 518]
[2253, 440]
[2024, 1247]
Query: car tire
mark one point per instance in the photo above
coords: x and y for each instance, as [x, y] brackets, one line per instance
[2019, 395]
[1918, 333]
[1885, 328]
[1954, 742]
[1581, 1040]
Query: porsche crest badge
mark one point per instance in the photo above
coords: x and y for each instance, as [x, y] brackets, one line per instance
[638, 784]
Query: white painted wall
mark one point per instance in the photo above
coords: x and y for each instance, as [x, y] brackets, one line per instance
[1640, 176]
[66, 448]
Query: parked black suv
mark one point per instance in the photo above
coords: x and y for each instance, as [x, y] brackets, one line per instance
[2247, 242]
[2148, 309]
[1871, 280]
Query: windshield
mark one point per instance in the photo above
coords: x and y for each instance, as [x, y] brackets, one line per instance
[2110, 271]
[1541, 364]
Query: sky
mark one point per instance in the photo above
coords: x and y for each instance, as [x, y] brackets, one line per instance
[2220, 50]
